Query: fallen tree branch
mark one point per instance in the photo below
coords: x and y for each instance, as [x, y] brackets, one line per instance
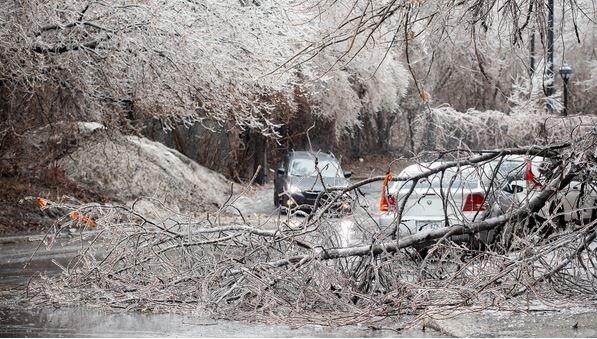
[535, 204]
[561, 265]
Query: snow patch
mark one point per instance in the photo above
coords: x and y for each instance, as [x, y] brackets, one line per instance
[90, 127]
[129, 167]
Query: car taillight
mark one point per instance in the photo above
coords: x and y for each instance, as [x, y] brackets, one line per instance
[474, 202]
[528, 171]
[387, 203]
[529, 176]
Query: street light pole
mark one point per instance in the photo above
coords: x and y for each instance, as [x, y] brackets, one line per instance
[565, 72]
[550, 72]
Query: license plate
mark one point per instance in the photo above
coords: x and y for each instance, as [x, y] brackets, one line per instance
[428, 225]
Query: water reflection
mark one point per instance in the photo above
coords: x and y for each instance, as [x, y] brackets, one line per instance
[85, 322]
[80, 321]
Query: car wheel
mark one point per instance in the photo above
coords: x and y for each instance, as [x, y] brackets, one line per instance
[594, 212]
[276, 199]
[475, 243]
[556, 209]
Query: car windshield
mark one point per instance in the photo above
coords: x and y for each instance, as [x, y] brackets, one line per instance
[452, 179]
[513, 170]
[306, 168]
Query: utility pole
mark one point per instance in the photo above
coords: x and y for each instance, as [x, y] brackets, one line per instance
[532, 54]
[566, 72]
[550, 74]
[532, 29]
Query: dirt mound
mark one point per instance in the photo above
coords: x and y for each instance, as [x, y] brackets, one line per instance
[373, 165]
[28, 168]
[130, 167]
[86, 162]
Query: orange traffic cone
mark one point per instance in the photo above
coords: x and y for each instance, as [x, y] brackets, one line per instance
[383, 199]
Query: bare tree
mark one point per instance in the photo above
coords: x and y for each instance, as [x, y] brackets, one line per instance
[184, 60]
[309, 270]
[464, 53]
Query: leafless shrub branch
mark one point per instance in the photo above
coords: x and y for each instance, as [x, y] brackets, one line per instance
[309, 270]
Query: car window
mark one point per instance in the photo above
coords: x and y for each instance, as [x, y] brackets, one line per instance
[452, 179]
[512, 170]
[306, 168]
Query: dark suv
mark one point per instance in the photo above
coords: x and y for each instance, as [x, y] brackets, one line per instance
[303, 177]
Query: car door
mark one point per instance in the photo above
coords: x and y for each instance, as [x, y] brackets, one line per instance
[281, 176]
[578, 200]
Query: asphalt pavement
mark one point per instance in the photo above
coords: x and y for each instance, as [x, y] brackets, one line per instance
[18, 265]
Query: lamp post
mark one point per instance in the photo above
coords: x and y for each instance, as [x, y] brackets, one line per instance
[566, 72]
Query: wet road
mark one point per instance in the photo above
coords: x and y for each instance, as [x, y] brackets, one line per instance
[15, 320]
[84, 322]
[259, 199]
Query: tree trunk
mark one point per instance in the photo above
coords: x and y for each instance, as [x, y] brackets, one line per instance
[260, 158]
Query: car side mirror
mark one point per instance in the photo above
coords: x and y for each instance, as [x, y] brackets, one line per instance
[347, 174]
[513, 188]
[281, 171]
[508, 189]
[517, 188]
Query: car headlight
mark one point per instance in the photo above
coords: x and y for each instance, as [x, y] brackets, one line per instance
[293, 189]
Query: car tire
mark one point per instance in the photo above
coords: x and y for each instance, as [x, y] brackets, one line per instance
[476, 244]
[423, 252]
[276, 199]
[556, 208]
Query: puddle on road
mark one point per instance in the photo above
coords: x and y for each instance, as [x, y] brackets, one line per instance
[83, 322]
[549, 323]
[15, 274]
[345, 233]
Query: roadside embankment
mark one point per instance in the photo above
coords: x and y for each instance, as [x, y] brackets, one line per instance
[86, 162]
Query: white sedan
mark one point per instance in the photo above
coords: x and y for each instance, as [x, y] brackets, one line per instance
[528, 174]
[471, 193]
[455, 197]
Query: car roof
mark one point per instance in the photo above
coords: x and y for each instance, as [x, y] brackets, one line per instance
[517, 157]
[426, 166]
[465, 172]
[420, 167]
[311, 155]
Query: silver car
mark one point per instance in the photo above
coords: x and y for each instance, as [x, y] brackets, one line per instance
[472, 193]
[526, 177]
[455, 197]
